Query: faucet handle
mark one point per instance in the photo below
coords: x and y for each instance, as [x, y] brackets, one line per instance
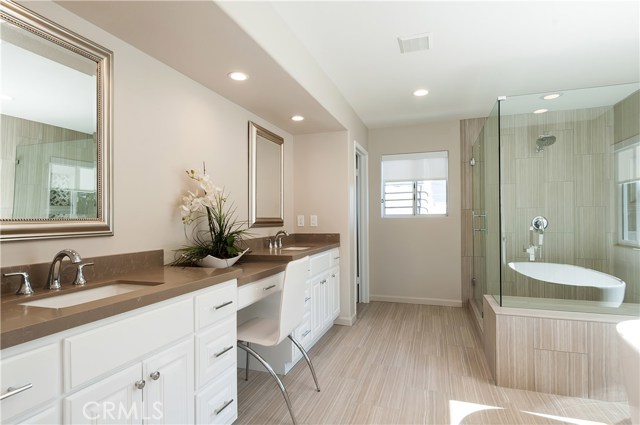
[25, 286]
[80, 279]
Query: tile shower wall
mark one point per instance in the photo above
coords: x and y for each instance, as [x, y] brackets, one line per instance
[571, 184]
[626, 260]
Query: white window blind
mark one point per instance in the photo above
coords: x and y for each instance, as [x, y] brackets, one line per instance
[414, 184]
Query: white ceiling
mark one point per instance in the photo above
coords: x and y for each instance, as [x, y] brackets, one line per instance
[480, 50]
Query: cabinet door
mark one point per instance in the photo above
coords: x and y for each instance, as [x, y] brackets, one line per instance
[327, 311]
[114, 400]
[335, 296]
[169, 388]
[318, 300]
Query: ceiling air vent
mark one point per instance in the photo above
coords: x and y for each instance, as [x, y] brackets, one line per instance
[414, 43]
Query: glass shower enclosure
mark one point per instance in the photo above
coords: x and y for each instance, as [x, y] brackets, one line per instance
[556, 182]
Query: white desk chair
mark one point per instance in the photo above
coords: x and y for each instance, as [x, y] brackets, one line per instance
[270, 332]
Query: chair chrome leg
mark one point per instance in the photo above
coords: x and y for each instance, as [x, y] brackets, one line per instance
[304, 354]
[266, 365]
[246, 366]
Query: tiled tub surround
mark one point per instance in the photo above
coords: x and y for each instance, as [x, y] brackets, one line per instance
[566, 353]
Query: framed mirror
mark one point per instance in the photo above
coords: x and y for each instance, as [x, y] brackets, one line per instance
[266, 178]
[55, 143]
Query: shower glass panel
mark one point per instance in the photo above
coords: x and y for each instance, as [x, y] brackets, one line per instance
[485, 218]
[560, 163]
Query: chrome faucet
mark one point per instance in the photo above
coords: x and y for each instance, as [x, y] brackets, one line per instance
[53, 281]
[278, 238]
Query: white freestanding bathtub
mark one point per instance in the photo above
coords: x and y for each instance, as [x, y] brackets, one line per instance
[629, 342]
[568, 274]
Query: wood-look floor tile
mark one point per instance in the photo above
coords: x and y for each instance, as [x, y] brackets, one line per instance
[407, 364]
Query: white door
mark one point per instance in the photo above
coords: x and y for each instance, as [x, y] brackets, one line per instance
[114, 400]
[169, 390]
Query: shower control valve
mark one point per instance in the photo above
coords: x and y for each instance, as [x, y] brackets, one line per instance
[539, 223]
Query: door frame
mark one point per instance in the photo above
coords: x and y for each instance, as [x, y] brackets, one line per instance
[361, 230]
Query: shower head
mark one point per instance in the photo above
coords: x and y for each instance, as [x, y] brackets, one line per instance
[544, 141]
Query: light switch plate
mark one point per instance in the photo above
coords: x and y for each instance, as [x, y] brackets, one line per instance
[313, 220]
[300, 221]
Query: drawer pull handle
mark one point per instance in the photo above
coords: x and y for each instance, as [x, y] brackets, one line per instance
[269, 287]
[323, 281]
[216, 355]
[222, 305]
[307, 299]
[226, 404]
[155, 375]
[333, 275]
[140, 384]
[13, 391]
[306, 333]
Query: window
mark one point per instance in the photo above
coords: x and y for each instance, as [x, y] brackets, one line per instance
[414, 184]
[628, 191]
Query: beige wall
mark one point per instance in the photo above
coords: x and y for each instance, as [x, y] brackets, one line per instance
[320, 171]
[164, 123]
[416, 260]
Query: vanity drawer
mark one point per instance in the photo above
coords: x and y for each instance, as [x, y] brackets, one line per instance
[41, 368]
[97, 352]
[303, 332]
[319, 262]
[252, 292]
[216, 350]
[217, 403]
[220, 302]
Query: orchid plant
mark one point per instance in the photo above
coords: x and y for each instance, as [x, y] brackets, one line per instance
[222, 234]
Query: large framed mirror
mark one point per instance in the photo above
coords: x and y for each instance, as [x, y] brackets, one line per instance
[55, 141]
[266, 178]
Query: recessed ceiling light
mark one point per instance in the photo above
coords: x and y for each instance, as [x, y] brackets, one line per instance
[552, 96]
[238, 76]
[297, 118]
[540, 111]
[421, 92]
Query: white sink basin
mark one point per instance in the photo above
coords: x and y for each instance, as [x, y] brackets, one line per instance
[295, 248]
[85, 296]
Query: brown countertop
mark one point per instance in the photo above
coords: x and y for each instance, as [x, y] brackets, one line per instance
[20, 323]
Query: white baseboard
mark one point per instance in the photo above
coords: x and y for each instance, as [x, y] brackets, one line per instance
[345, 321]
[415, 300]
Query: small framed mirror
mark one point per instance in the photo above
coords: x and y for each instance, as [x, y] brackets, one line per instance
[266, 178]
[55, 144]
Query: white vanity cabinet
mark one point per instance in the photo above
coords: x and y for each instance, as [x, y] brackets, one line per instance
[157, 364]
[322, 307]
[157, 390]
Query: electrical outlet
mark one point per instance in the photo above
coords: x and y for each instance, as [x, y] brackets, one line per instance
[300, 221]
[313, 220]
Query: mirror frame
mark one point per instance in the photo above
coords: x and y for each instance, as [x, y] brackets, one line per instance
[254, 219]
[102, 225]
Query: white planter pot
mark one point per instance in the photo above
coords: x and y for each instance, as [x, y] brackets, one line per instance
[220, 263]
